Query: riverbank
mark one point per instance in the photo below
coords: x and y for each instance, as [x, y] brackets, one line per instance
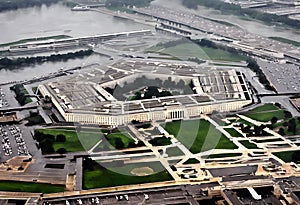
[234, 9]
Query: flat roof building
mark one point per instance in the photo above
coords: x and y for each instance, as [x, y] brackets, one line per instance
[86, 98]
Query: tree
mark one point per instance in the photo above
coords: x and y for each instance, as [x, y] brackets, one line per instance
[60, 138]
[278, 105]
[119, 144]
[88, 164]
[281, 131]
[257, 130]
[180, 84]
[287, 114]
[292, 126]
[61, 151]
[47, 146]
[274, 120]
[246, 129]
[296, 156]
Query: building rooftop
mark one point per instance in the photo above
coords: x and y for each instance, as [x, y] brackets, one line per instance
[90, 92]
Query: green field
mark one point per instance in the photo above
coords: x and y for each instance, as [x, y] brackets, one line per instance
[160, 141]
[198, 135]
[233, 132]
[265, 107]
[297, 123]
[187, 50]
[124, 136]
[285, 156]
[248, 144]
[15, 186]
[212, 156]
[245, 122]
[265, 113]
[174, 151]
[102, 177]
[75, 141]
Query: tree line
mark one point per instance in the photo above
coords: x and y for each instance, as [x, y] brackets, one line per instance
[234, 9]
[251, 63]
[21, 93]
[16, 63]
[46, 142]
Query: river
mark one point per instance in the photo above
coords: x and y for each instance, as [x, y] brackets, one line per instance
[256, 27]
[56, 19]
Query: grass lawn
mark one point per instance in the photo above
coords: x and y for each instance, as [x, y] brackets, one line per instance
[245, 122]
[212, 156]
[124, 136]
[103, 177]
[285, 156]
[233, 132]
[248, 144]
[29, 187]
[265, 113]
[297, 127]
[34, 89]
[75, 141]
[265, 107]
[192, 161]
[160, 141]
[191, 50]
[198, 135]
[174, 151]
[35, 120]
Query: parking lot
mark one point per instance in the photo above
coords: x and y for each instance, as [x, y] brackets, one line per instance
[167, 195]
[12, 142]
[3, 101]
[111, 199]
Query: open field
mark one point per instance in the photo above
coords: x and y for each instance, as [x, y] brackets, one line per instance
[121, 175]
[212, 156]
[187, 50]
[248, 144]
[233, 132]
[198, 135]
[265, 113]
[174, 151]
[75, 141]
[123, 136]
[285, 156]
[29, 187]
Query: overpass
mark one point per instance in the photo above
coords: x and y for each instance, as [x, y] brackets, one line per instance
[67, 43]
[278, 94]
[20, 108]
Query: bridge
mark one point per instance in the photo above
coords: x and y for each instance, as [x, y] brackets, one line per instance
[20, 108]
